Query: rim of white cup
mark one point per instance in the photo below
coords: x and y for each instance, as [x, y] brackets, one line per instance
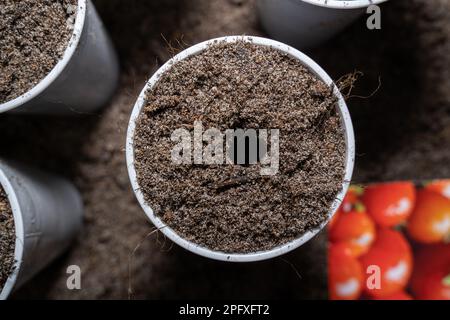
[239, 257]
[58, 68]
[19, 231]
[339, 4]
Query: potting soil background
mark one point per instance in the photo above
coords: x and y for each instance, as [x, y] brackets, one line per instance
[403, 132]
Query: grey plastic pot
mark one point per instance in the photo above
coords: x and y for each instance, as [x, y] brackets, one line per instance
[47, 214]
[308, 23]
[254, 256]
[83, 80]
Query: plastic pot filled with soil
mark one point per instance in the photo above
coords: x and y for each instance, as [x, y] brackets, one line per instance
[240, 148]
[308, 23]
[56, 57]
[40, 216]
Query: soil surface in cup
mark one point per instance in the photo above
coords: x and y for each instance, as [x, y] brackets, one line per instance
[7, 239]
[33, 38]
[233, 208]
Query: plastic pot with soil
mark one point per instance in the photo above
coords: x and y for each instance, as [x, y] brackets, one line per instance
[40, 216]
[225, 200]
[308, 23]
[56, 58]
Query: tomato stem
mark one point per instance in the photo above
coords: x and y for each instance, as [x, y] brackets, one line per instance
[359, 207]
[447, 238]
[357, 189]
[446, 280]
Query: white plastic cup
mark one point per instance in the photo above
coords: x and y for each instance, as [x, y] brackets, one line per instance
[48, 214]
[255, 256]
[308, 23]
[83, 80]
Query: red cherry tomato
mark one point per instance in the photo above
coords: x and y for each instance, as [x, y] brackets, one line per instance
[430, 220]
[429, 258]
[389, 204]
[440, 186]
[349, 202]
[356, 229]
[345, 275]
[392, 240]
[436, 286]
[431, 276]
[401, 295]
[389, 261]
[350, 199]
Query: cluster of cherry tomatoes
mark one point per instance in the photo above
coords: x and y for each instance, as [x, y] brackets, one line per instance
[391, 241]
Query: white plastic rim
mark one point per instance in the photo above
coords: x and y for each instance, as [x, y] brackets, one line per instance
[339, 4]
[58, 68]
[240, 257]
[19, 229]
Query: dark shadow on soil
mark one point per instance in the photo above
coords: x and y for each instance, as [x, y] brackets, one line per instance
[299, 275]
[384, 121]
[138, 27]
[49, 143]
[400, 130]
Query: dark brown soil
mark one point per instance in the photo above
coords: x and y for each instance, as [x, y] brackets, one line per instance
[7, 239]
[233, 208]
[402, 132]
[33, 38]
